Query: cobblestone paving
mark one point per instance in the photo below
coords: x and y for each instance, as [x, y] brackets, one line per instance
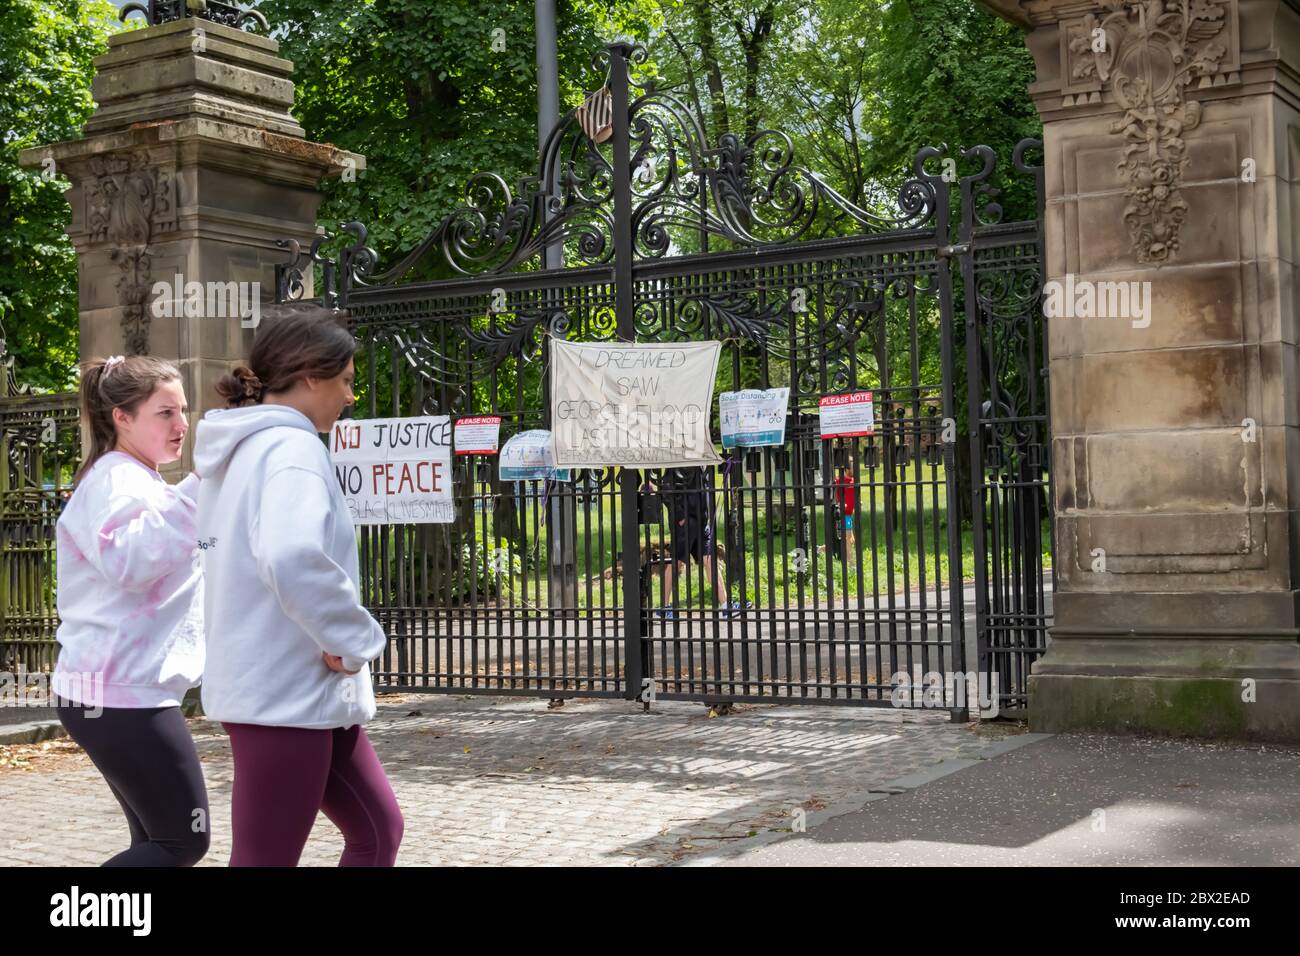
[491, 780]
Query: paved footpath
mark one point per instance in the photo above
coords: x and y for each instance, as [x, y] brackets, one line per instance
[1073, 800]
[490, 780]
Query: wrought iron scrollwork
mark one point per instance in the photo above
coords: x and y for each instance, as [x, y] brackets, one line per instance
[1008, 302]
[521, 338]
[747, 191]
[357, 261]
[978, 193]
[470, 354]
[165, 11]
[728, 315]
[290, 283]
[353, 265]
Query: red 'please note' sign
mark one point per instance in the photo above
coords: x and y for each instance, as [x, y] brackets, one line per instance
[847, 415]
[478, 435]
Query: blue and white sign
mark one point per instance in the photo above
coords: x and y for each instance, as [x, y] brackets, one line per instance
[753, 417]
[528, 457]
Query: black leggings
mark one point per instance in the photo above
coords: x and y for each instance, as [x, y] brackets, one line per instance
[147, 757]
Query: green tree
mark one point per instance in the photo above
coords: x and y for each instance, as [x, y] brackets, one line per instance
[46, 49]
[431, 92]
[944, 72]
[860, 86]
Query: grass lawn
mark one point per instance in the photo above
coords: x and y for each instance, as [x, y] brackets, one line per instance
[782, 558]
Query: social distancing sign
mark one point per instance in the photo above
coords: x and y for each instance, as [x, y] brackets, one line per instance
[753, 418]
[528, 456]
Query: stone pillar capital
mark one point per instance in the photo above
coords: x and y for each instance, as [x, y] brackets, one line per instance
[191, 169]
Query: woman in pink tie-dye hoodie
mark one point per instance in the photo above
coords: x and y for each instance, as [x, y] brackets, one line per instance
[130, 607]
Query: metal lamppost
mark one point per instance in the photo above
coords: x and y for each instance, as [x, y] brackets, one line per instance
[561, 519]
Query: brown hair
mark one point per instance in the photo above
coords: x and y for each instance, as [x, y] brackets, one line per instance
[310, 342]
[122, 383]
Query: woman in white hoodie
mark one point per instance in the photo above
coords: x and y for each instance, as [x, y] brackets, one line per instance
[129, 597]
[289, 642]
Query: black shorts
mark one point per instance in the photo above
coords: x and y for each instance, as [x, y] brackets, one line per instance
[693, 538]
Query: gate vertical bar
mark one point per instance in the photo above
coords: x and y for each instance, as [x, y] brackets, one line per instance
[562, 574]
[975, 419]
[1040, 244]
[956, 590]
[629, 480]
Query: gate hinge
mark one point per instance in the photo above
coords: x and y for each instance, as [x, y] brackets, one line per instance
[960, 249]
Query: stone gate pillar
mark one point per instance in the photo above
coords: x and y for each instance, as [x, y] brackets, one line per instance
[1172, 141]
[191, 166]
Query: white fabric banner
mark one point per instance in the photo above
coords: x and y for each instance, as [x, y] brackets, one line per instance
[640, 405]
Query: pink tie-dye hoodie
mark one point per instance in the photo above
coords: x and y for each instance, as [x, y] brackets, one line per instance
[130, 588]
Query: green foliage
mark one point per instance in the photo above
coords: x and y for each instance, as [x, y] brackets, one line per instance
[858, 85]
[46, 48]
[434, 91]
[946, 72]
[431, 92]
[487, 568]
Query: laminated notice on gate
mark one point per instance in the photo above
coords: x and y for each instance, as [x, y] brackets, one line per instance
[753, 417]
[639, 405]
[844, 416]
[395, 470]
[479, 435]
[528, 456]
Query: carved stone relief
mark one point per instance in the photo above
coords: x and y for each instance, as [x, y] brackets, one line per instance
[1148, 53]
[128, 203]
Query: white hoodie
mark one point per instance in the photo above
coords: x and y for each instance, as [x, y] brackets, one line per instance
[279, 555]
[130, 591]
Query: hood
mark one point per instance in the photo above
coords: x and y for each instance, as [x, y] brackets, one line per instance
[221, 430]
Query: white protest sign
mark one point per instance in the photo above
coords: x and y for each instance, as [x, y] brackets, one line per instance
[479, 435]
[753, 417]
[395, 470]
[528, 457]
[844, 416]
[637, 405]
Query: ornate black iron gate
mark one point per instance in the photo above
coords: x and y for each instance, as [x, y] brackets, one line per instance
[1006, 370]
[839, 563]
[39, 449]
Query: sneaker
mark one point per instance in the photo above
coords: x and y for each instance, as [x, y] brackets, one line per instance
[664, 613]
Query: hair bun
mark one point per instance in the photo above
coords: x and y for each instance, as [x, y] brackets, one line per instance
[240, 387]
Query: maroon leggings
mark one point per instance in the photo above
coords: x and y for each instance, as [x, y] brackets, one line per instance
[284, 775]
